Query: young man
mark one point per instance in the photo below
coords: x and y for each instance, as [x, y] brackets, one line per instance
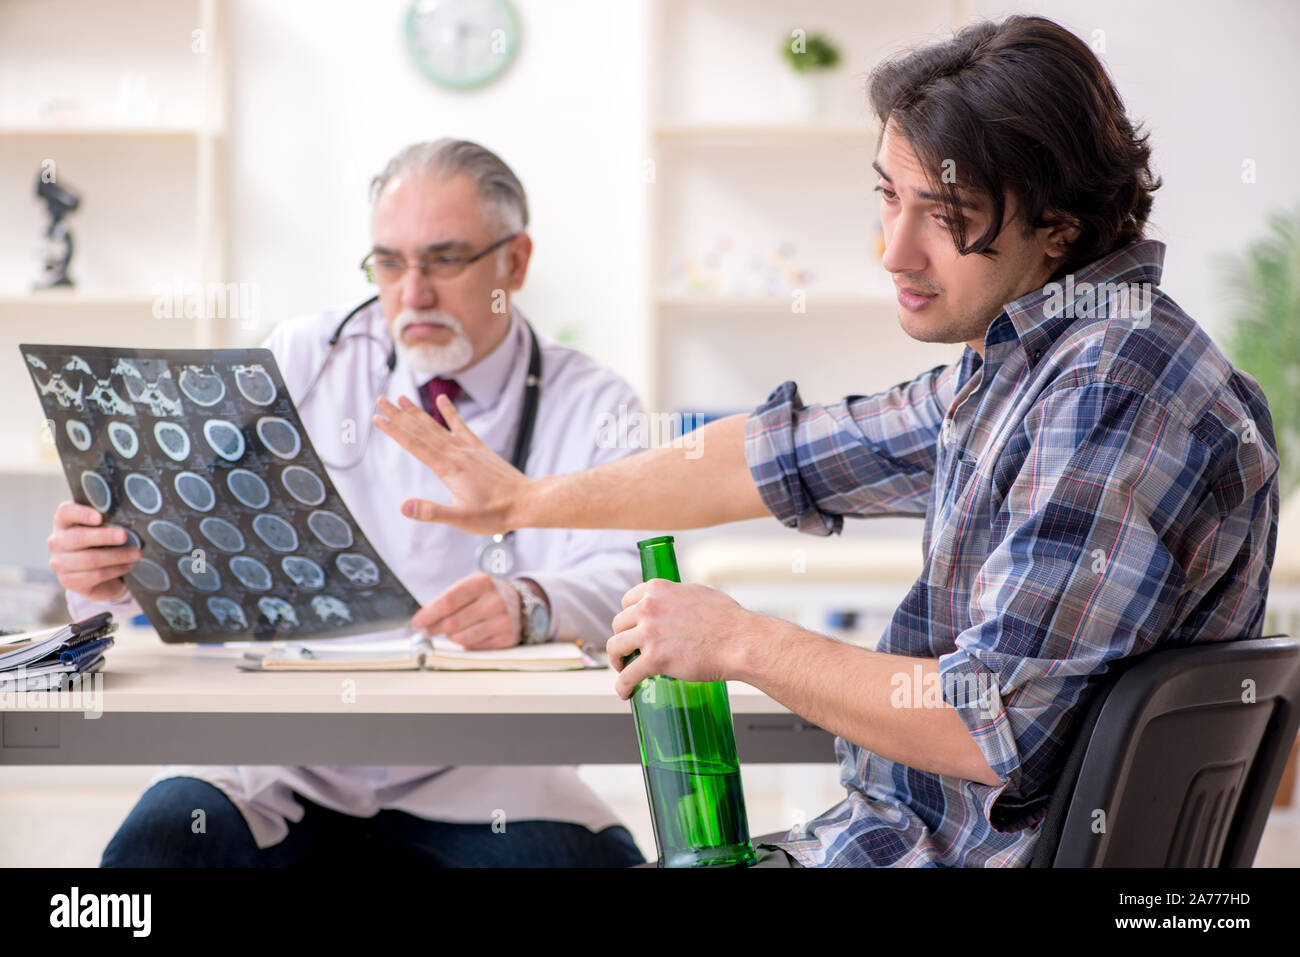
[449, 248]
[1096, 479]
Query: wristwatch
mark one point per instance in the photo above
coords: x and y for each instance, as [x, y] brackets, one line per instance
[534, 615]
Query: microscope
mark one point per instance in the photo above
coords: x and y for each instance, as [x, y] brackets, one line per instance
[59, 202]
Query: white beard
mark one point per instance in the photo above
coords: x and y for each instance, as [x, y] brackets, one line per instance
[429, 359]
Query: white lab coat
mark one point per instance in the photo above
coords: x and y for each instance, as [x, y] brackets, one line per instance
[585, 573]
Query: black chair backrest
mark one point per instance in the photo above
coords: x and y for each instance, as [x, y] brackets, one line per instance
[1177, 758]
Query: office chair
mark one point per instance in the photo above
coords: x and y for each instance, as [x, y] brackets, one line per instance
[1177, 759]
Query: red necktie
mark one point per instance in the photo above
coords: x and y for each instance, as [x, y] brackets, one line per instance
[434, 388]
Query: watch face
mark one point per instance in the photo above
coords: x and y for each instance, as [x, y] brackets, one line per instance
[462, 44]
[539, 620]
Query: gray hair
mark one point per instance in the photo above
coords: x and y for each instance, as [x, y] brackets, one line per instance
[499, 189]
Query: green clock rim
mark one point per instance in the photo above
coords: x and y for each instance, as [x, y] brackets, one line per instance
[476, 82]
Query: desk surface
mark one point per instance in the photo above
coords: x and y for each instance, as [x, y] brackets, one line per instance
[142, 674]
[188, 704]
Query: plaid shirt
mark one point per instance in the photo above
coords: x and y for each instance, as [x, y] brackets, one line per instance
[1091, 489]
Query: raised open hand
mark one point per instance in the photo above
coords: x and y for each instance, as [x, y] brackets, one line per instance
[483, 485]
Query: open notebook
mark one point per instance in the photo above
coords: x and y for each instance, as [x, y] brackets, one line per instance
[415, 653]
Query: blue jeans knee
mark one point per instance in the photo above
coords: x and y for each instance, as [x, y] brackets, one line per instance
[181, 822]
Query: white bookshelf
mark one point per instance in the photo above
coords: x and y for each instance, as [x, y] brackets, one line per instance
[59, 299]
[129, 102]
[53, 130]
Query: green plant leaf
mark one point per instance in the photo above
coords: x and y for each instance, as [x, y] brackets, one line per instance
[818, 54]
[1263, 286]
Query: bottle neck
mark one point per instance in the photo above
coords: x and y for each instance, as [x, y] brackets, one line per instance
[659, 561]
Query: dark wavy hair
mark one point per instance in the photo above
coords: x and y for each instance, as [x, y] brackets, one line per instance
[1022, 106]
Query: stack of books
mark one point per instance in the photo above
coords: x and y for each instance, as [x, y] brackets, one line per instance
[49, 659]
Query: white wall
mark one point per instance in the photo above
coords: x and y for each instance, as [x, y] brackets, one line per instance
[324, 93]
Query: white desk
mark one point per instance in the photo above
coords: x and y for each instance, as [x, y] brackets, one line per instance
[176, 704]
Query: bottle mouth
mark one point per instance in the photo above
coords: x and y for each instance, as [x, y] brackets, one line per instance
[657, 540]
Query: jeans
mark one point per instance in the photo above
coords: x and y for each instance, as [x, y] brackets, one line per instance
[160, 832]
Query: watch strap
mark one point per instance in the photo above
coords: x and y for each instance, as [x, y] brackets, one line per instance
[528, 603]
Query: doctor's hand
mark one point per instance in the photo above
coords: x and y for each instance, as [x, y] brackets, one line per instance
[482, 483]
[691, 632]
[84, 555]
[478, 612]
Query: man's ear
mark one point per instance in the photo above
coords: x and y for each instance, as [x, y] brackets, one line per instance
[1057, 235]
[518, 252]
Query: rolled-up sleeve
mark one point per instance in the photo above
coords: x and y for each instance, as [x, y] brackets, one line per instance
[1080, 577]
[864, 456]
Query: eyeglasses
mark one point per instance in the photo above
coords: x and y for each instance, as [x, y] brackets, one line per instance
[385, 270]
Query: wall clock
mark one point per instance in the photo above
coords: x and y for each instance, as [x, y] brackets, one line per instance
[462, 44]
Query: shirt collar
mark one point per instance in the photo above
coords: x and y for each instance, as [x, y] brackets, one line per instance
[485, 380]
[1038, 318]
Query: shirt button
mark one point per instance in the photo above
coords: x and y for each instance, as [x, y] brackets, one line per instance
[947, 431]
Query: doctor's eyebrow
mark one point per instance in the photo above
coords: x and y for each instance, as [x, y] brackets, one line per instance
[448, 245]
[962, 201]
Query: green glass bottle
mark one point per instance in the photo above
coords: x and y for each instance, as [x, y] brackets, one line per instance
[688, 754]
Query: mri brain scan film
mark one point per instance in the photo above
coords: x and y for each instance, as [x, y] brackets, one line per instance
[249, 488]
[276, 532]
[221, 533]
[195, 491]
[251, 573]
[332, 531]
[170, 536]
[143, 493]
[202, 386]
[78, 434]
[279, 436]
[228, 613]
[304, 572]
[200, 455]
[151, 575]
[124, 439]
[303, 485]
[254, 383]
[96, 489]
[173, 440]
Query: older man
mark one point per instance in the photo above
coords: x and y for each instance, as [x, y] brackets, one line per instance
[449, 248]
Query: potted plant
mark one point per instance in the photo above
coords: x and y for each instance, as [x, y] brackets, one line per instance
[812, 59]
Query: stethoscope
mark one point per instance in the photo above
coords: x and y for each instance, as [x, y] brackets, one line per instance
[496, 556]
